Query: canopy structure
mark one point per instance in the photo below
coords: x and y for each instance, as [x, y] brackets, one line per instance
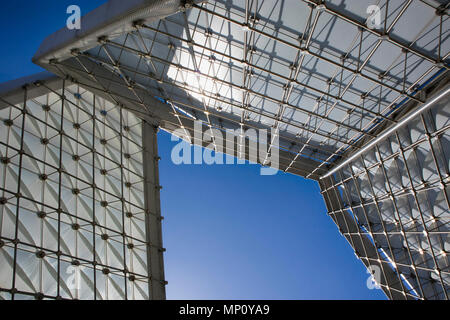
[358, 103]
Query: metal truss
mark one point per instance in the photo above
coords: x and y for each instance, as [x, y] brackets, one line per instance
[328, 84]
[397, 196]
[340, 114]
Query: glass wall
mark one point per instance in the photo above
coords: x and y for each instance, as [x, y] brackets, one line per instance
[72, 212]
[397, 194]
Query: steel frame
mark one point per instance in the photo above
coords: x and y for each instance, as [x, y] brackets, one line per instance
[413, 270]
[91, 132]
[309, 132]
[352, 194]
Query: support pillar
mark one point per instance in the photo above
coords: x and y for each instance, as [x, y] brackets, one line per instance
[155, 260]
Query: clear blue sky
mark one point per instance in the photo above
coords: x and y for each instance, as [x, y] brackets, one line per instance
[229, 232]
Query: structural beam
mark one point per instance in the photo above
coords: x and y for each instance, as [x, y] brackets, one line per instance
[155, 264]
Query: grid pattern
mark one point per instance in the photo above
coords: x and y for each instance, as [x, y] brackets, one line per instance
[323, 79]
[72, 212]
[327, 83]
[397, 194]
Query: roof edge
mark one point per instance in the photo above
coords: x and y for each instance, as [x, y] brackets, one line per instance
[11, 92]
[111, 19]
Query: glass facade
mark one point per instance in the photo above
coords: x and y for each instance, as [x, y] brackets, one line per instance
[395, 197]
[72, 210]
[74, 199]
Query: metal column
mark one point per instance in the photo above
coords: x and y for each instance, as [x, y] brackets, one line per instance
[157, 283]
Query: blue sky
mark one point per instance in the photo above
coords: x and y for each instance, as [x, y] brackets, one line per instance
[229, 232]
